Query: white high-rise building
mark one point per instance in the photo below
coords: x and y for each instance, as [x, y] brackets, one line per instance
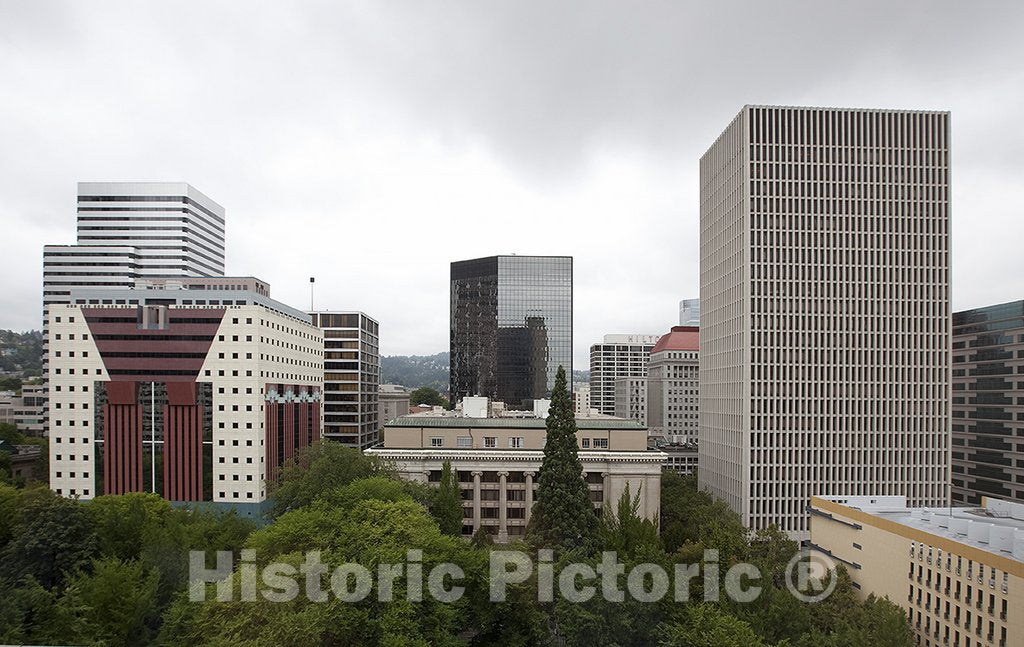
[619, 356]
[129, 230]
[825, 323]
[132, 230]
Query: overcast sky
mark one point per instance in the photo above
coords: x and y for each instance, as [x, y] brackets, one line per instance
[370, 144]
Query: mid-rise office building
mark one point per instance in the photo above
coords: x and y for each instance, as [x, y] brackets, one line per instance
[511, 327]
[988, 403]
[618, 356]
[825, 312]
[673, 386]
[195, 394]
[689, 312]
[351, 377]
[958, 573]
[27, 411]
[682, 457]
[631, 399]
[497, 461]
[394, 402]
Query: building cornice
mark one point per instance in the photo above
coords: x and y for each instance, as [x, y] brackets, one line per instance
[524, 455]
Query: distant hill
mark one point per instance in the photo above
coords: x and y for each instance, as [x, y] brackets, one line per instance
[21, 352]
[415, 371]
[581, 376]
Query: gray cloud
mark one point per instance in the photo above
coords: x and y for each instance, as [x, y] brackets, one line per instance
[372, 143]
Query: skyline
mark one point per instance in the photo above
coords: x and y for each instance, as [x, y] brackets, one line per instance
[330, 130]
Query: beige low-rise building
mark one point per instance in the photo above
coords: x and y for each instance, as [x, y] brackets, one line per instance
[497, 461]
[957, 572]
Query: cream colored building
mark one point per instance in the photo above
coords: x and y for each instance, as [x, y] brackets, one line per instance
[957, 572]
[497, 461]
[198, 395]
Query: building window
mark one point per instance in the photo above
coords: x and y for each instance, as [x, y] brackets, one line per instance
[436, 441]
[586, 443]
[465, 441]
[490, 441]
[600, 443]
[515, 442]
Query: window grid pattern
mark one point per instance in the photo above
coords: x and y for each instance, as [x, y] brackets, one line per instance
[832, 320]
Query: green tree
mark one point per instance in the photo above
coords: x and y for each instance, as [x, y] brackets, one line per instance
[6, 471]
[371, 533]
[623, 530]
[30, 614]
[10, 434]
[116, 602]
[563, 516]
[51, 537]
[447, 505]
[165, 545]
[706, 625]
[121, 521]
[428, 396]
[690, 516]
[318, 468]
[10, 501]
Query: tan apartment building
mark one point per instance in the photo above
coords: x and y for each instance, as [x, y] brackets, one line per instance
[497, 461]
[957, 572]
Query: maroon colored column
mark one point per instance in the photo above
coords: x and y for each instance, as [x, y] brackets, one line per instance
[183, 443]
[122, 439]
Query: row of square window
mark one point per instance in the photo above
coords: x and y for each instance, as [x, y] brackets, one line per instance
[234, 495]
[514, 442]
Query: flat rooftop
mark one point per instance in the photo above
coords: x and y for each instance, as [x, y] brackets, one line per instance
[996, 527]
[429, 419]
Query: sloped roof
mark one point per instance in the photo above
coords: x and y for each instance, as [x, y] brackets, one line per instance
[681, 338]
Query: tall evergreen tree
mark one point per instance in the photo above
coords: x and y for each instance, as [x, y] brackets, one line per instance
[563, 517]
[447, 507]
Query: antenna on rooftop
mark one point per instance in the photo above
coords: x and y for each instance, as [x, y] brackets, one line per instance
[312, 280]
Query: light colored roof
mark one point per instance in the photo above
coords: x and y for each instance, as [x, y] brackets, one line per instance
[997, 527]
[509, 423]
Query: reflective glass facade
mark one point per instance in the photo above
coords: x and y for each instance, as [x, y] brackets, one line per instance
[988, 403]
[511, 326]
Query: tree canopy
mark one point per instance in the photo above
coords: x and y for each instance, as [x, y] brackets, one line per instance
[114, 571]
[563, 515]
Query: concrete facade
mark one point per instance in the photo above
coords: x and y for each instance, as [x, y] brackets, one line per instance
[393, 401]
[497, 461]
[825, 310]
[673, 386]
